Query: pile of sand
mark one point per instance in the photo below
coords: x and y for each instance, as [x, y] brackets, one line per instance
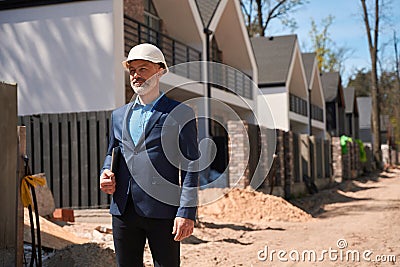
[247, 205]
[89, 254]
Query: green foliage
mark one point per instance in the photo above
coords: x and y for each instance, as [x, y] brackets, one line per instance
[389, 101]
[388, 93]
[330, 57]
[361, 81]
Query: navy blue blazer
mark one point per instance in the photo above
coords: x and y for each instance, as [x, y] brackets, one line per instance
[160, 171]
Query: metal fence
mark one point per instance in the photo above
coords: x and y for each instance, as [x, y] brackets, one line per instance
[231, 80]
[317, 113]
[298, 105]
[69, 148]
[175, 51]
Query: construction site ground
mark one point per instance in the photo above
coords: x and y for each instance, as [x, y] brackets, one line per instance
[354, 223]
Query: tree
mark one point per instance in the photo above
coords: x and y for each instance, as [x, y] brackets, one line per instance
[266, 11]
[330, 57]
[397, 60]
[396, 118]
[361, 82]
[388, 93]
[388, 105]
[372, 36]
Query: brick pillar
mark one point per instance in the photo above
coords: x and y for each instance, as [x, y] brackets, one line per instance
[264, 166]
[357, 166]
[305, 155]
[280, 152]
[350, 148]
[346, 162]
[134, 9]
[289, 164]
[337, 167]
[313, 157]
[239, 152]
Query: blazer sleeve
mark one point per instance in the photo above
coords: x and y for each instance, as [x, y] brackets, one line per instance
[188, 144]
[111, 142]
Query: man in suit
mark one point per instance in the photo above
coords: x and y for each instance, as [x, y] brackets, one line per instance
[153, 152]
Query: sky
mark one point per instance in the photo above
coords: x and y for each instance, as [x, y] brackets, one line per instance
[347, 30]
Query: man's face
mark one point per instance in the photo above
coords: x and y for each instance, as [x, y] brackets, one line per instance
[142, 70]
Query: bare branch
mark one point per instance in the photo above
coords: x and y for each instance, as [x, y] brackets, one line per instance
[271, 14]
[268, 10]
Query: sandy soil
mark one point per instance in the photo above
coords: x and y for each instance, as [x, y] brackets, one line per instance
[356, 218]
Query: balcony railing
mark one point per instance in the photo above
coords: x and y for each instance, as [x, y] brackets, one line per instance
[317, 113]
[176, 52]
[298, 105]
[231, 80]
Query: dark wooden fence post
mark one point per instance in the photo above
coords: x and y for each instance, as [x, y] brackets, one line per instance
[70, 149]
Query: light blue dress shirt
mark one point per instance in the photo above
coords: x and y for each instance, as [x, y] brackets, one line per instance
[140, 115]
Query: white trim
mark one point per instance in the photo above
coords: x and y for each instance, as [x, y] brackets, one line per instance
[197, 20]
[312, 74]
[318, 124]
[273, 90]
[232, 99]
[248, 46]
[217, 15]
[119, 79]
[298, 118]
[171, 80]
[301, 65]
[200, 28]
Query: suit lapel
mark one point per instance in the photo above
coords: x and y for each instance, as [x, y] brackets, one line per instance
[127, 141]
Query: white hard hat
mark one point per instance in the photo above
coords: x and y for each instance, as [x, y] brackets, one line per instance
[147, 52]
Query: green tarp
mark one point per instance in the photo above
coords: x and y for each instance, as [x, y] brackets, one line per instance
[343, 143]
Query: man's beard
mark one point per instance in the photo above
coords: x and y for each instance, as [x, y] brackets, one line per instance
[146, 86]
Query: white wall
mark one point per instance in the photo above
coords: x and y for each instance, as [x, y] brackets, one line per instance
[278, 107]
[65, 57]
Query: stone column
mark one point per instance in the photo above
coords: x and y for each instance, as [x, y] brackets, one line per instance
[337, 166]
[239, 154]
[288, 161]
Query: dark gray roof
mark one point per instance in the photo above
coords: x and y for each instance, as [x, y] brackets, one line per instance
[308, 62]
[364, 109]
[207, 9]
[273, 55]
[349, 96]
[330, 83]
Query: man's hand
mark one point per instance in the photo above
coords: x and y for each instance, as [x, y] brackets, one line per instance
[107, 182]
[183, 228]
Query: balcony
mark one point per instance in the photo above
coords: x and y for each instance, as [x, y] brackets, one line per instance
[231, 80]
[298, 105]
[317, 113]
[175, 51]
[222, 76]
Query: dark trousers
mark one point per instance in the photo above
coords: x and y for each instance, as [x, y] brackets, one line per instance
[130, 232]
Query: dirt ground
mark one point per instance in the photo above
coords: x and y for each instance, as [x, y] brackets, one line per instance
[356, 223]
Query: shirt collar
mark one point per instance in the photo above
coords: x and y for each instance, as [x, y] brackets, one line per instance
[150, 105]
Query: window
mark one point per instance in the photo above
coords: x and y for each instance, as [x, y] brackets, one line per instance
[151, 18]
